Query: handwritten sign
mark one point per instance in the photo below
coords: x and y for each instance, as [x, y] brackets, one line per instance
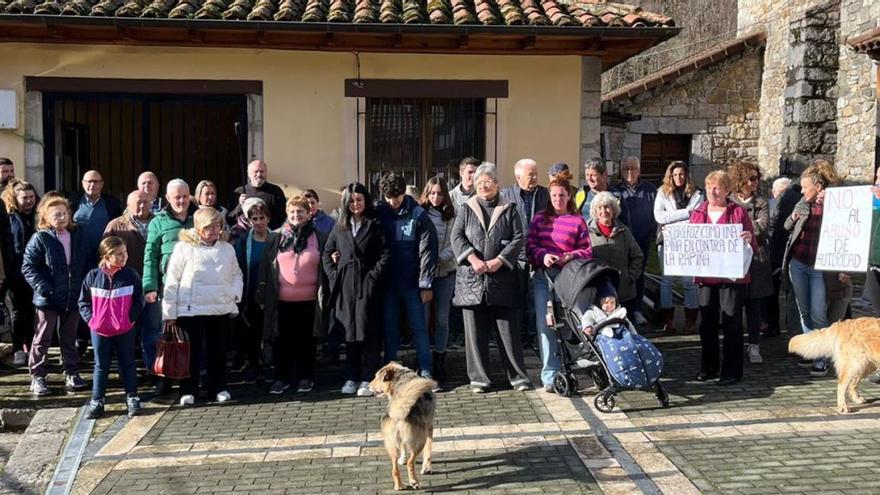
[703, 250]
[845, 237]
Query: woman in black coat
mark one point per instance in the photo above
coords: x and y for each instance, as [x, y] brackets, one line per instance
[487, 238]
[355, 256]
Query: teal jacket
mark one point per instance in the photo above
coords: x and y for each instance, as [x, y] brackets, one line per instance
[162, 235]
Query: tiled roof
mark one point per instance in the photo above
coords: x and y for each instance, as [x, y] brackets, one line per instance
[692, 63]
[583, 13]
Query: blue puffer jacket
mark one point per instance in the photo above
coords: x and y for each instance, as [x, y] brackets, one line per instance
[56, 285]
[412, 242]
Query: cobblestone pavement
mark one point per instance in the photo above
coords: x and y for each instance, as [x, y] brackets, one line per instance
[775, 432]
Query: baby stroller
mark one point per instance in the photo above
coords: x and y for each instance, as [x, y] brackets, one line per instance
[629, 361]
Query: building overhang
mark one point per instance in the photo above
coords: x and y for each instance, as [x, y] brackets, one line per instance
[867, 43]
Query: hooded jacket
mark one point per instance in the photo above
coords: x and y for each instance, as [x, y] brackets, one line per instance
[201, 280]
[111, 304]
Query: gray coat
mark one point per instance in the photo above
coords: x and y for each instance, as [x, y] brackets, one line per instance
[621, 252]
[795, 227]
[502, 238]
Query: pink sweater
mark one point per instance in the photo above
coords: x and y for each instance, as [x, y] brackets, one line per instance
[298, 273]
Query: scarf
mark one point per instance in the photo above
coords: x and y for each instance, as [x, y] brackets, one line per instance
[681, 198]
[296, 236]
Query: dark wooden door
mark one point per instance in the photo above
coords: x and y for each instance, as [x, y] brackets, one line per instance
[122, 135]
[659, 150]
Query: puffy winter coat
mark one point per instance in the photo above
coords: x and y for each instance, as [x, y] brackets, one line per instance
[619, 251]
[445, 256]
[201, 280]
[162, 234]
[412, 242]
[111, 304]
[56, 284]
[502, 238]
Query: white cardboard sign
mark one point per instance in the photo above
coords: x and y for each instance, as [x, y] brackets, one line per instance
[703, 250]
[845, 236]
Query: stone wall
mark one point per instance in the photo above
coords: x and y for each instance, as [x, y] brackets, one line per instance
[856, 108]
[704, 23]
[717, 106]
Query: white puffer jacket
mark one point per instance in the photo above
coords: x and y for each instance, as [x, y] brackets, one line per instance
[201, 280]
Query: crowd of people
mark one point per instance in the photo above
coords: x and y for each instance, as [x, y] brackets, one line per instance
[258, 283]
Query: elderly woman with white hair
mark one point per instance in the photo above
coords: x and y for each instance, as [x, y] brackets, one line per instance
[487, 238]
[614, 244]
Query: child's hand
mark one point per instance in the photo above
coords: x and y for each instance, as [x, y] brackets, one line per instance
[588, 331]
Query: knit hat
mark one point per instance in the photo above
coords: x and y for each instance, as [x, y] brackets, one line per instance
[605, 289]
[250, 203]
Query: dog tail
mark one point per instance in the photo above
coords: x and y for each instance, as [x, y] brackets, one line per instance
[408, 396]
[816, 344]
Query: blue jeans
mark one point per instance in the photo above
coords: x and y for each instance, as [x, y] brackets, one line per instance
[150, 325]
[808, 285]
[442, 301]
[546, 335]
[415, 313]
[691, 300]
[123, 346]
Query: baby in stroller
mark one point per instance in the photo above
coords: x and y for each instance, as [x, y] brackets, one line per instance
[608, 308]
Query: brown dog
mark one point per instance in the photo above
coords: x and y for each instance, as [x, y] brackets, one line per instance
[853, 345]
[408, 425]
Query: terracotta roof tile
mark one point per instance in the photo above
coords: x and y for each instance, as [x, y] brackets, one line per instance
[583, 13]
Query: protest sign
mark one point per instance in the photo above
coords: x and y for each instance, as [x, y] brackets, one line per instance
[845, 236]
[703, 250]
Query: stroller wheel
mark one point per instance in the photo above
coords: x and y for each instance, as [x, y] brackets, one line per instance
[662, 395]
[600, 379]
[564, 384]
[605, 402]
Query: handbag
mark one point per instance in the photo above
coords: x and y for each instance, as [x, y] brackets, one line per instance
[172, 353]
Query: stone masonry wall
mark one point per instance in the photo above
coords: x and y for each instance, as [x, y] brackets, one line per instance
[856, 105]
[717, 106]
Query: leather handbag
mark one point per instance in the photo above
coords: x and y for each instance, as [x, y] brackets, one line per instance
[172, 353]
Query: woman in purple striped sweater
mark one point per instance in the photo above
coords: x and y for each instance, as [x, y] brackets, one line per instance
[557, 235]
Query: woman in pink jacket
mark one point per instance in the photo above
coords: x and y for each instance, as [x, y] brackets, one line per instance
[722, 295]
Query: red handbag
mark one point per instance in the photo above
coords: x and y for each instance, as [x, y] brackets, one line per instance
[172, 353]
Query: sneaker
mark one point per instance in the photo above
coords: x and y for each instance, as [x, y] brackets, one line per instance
[805, 363]
[350, 388]
[640, 318]
[819, 370]
[548, 387]
[583, 363]
[133, 403]
[161, 387]
[364, 390]
[522, 387]
[305, 386]
[223, 396]
[478, 389]
[96, 409]
[755, 354]
[20, 358]
[75, 382]
[187, 400]
[278, 387]
[249, 377]
[39, 386]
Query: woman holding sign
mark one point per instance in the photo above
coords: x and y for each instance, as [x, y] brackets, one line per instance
[675, 201]
[722, 295]
[807, 283]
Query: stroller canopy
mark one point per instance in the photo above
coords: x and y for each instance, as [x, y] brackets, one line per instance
[578, 274]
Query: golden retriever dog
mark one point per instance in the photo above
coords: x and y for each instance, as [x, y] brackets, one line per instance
[853, 345]
[408, 424]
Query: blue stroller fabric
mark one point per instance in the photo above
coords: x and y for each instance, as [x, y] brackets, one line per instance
[632, 360]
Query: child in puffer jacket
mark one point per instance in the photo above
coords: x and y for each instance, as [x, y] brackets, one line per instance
[609, 308]
[110, 301]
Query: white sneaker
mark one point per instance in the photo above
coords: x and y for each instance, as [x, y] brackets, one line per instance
[364, 390]
[640, 318]
[585, 363]
[187, 400]
[223, 396]
[755, 354]
[350, 388]
[20, 358]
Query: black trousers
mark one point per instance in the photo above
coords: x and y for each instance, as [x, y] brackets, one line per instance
[771, 305]
[249, 337]
[212, 332]
[872, 284]
[22, 313]
[295, 348]
[362, 359]
[724, 301]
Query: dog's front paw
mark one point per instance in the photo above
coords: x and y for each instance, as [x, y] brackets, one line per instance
[426, 469]
[414, 485]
